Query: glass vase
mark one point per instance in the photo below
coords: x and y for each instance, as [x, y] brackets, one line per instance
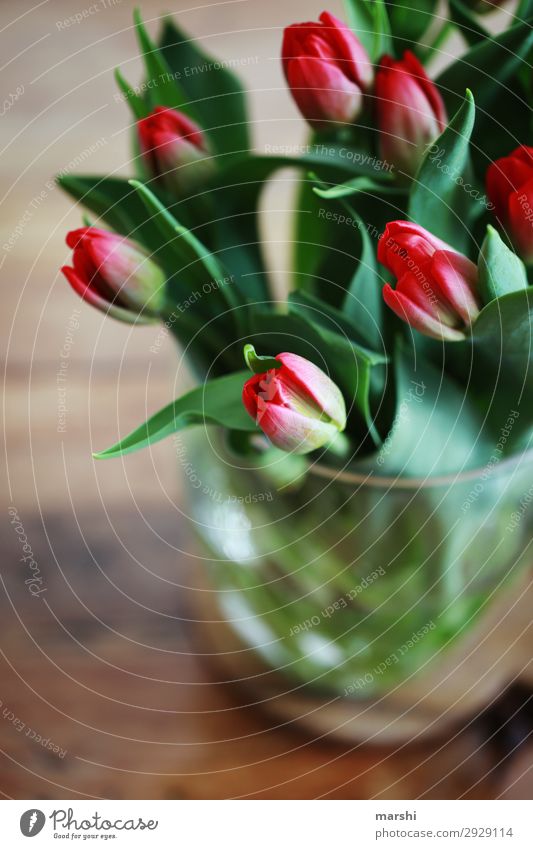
[373, 608]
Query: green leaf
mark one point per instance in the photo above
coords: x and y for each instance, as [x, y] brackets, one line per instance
[437, 199]
[214, 90]
[216, 402]
[370, 22]
[358, 185]
[257, 363]
[360, 18]
[134, 101]
[332, 157]
[409, 19]
[236, 190]
[491, 69]
[382, 31]
[116, 203]
[354, 365]
[467, 22]
[436, 430]
[194, 263]
[500, 270]
[524, 9]
[363, 302]
[320, 312]
[505, 325]
[315, 238]
[323, 255]
[162, 86]
[186, 248]
[502, 366]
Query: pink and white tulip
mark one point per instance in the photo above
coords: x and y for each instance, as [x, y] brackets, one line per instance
[297, 406]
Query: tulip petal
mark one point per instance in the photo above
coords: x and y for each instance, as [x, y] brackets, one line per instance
[330, 89]
[294, 40]
[311, 381]
[296, 405]
[521, 220]
[523, 153]
[456, 277]
[405, 246]
[417, 71]
[292, 431]
[505, 176]
[323, 93]
[111, 269]
[422, 291]
[168, 139]
[352, 56]
[92, 297]
[169, 123]
[407, 122]
[411, 313]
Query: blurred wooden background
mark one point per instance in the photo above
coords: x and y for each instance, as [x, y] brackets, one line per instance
[105, 666]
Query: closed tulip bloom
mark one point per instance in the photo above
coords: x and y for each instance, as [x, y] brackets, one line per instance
[410, 111]
[115, 275]
[327, 69]
[297, 406]
[510, 189]
[436, 287]
[174, 148]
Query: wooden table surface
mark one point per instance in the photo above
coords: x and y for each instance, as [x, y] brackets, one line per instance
[106, 689]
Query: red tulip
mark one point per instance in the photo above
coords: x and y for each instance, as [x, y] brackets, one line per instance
[410, 111]
[115, 275]
[174, 148]
[436, 286]
[510, 189]
[327, 69]
[296, 405]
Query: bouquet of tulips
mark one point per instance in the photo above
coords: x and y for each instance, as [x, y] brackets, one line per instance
[413, 241]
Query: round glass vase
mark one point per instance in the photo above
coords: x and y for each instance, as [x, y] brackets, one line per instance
[376, 609]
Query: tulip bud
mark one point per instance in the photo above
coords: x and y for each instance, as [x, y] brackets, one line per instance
[174, 149]
[327, 69]
[115, 275]
[510, 189]
[294, 403]
[436, 288]
[410, 112]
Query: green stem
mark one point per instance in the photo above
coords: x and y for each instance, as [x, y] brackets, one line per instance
[437, 42]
